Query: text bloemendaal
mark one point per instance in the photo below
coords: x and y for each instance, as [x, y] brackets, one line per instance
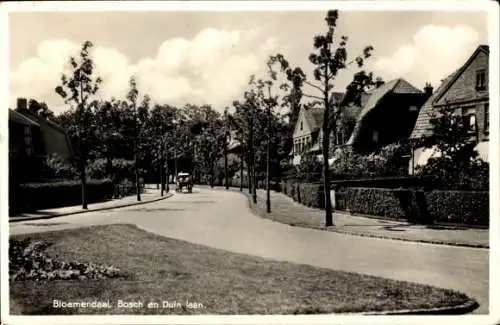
[81, 304]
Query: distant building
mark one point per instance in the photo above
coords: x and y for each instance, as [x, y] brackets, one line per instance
[387, 115]
[35, 136]
[466, 89]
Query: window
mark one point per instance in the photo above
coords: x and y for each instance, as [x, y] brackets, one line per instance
[375, 136]
[27, 140]
[486, 118]
[481, 79]
[469, 114]
[301, 126]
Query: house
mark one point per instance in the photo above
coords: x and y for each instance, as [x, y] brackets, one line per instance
[366, 128]
[34, 136]
[467, 90]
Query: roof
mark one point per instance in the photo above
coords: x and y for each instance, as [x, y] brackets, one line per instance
[21, 118]
[375, 95]
[314, 115]
[423, 124]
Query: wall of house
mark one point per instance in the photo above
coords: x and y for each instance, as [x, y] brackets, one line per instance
[464, 94]
[464, 88]
[302, 136]
[391, 121]
[56, 141]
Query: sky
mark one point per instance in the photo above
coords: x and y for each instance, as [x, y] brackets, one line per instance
[207, 57]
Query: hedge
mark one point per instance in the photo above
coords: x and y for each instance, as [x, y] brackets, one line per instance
[416, 206]
[465, 207]
[459, 207]
[311, 195]
[382, 202]
[38, 196]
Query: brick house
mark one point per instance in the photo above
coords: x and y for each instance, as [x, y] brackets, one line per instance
[364, 128]
[35, 136]
[467, 89]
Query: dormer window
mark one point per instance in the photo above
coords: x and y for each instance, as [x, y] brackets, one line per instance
[481, 80]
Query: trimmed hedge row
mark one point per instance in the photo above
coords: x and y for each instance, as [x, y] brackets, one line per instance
[417, 206]
[459, 207]
[38, 196]
[466, 207]
[309, 194]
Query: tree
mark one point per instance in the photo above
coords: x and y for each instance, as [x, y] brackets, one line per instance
[132, 96]
[39, 109]
[328, 63]
[454, 137]
[77, 89]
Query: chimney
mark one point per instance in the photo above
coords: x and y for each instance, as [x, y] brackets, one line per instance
[428, 89]
[22, 104]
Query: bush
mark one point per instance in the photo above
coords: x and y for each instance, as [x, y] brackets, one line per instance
[465, 207]
[127, 187]
[58, 168]
[450, 176]
[375, 201]
[37, 196]
[461, 207]
[312, 195]
[121, 169]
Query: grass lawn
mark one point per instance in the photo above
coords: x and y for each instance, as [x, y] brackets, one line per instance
[163, 269]
[285, 210]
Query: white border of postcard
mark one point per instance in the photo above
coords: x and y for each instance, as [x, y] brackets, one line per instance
[493, 31]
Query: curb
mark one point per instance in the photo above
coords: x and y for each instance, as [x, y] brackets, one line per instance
[350, 233]
[90, 210]
[465, 308]
[423, 241]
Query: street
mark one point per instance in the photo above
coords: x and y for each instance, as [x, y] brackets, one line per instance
[223, 220]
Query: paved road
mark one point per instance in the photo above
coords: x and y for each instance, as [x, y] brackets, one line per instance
[222, 220]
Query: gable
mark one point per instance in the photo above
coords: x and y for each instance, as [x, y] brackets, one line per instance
[306, 128]
[463, 86]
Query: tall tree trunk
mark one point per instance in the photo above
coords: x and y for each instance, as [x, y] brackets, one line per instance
[326, 142]
[212, 174]
[161, 175]
[268, 165]
[167, 180]
[252, 161]
[83, 179]
[226, 176]
[241, 166]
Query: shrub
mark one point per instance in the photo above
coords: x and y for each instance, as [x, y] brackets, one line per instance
[58, 168]
[462, 207]
[465, 207]
[121, 169]
[36, 196]
[450, 176]
[312, 195]
[375, 201]
[127, 187]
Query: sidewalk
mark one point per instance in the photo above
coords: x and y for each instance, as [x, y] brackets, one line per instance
[285, 210]
[151, 194]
